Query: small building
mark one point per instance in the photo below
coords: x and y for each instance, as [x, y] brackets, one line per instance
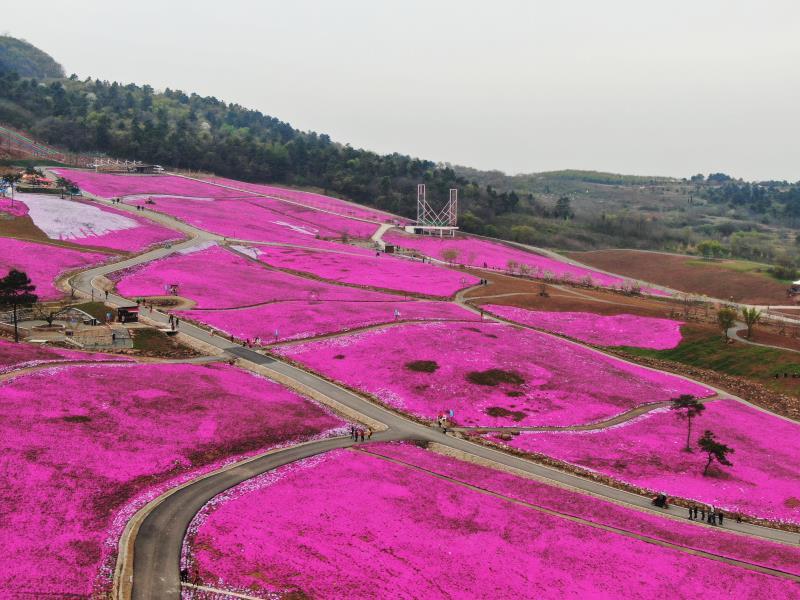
[128, 314]
[435, 230]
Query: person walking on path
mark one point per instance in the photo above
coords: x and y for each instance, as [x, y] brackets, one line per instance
[177, 322]
[691, 513]
[702, 514]
[362, 435]
[369, 433]
[719, 516]
[352, 432]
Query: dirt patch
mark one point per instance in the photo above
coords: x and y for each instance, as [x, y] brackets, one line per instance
[423, 366]
[499, 411]
[155, 343]
[494, 377]
[688, 274]
[77, 419]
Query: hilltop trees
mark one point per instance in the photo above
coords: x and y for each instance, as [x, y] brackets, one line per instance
[11, 180]
[16, 290]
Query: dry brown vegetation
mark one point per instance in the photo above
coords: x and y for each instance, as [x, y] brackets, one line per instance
[688, 274]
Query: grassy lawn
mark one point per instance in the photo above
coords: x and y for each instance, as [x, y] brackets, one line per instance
[96, 309]
[739, 266]
[157, 343]
[704, 348]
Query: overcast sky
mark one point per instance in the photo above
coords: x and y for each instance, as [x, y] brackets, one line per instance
[629, 86]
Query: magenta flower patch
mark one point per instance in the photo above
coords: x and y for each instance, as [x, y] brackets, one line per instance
[352, 524]
[489, 374]
[44, 263]
[602, 330]
[648, 452]
[80, 443]
[381, 270]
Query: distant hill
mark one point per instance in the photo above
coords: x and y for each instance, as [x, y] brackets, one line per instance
[570, 209]
[527, 182]
[27, 60]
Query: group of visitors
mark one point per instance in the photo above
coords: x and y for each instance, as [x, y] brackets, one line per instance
[359, 433]
[713, 516]
[174, 322]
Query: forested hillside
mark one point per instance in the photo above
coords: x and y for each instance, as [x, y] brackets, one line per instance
[26, 59]
[564, 209]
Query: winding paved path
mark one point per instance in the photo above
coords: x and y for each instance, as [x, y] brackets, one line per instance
[157, 536]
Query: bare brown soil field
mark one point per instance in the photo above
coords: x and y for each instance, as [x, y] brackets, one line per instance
[678, 272]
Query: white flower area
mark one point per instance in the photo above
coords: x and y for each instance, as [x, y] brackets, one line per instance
[68, 220]
[248, 251]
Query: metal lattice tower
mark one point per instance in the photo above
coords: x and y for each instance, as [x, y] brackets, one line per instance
[427, 216]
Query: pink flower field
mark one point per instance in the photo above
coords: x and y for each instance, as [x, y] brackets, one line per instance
[376, 528]
[217, 278]
[15, 356]
[477, 253]
[17, 209]
[648, 452]
[83, 447]
[107, 185]
[616, 330]
[296, 320]
[382, 271]
[318, 201]
[44, 263]
[329, 225]
[253, 221]
[88, 224]
[490, 374]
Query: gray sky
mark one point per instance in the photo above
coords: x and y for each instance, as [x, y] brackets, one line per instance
[631, 86]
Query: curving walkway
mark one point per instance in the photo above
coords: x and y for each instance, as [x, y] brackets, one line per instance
[735, 331]
[624, 417]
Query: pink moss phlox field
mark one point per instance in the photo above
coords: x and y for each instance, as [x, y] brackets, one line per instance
[107, 185]
[602, 330]
[15, 356]
[564, 384]
[15, 209]
[476, 252]
[218, 278]
[326, 203]
[381, 271]
[247, 220]
[79, 442]
[294, 320]
[44, 263]
[329, 225]
[716, 541]
[354, 525]
[648, 452]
